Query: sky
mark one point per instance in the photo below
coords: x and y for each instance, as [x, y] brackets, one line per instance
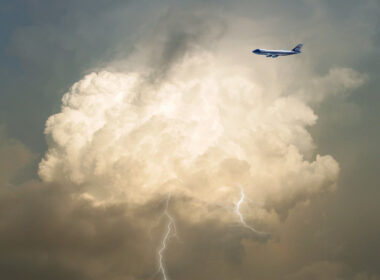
[130, 129]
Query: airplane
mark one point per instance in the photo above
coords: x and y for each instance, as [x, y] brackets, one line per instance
[276, 53]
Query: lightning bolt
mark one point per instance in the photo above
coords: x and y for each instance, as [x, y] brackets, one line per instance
[241, 217]
[170, 230]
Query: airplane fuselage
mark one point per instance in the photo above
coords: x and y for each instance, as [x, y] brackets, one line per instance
[276, 53]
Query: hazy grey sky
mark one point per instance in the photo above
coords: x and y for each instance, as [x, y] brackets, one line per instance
[49, 229]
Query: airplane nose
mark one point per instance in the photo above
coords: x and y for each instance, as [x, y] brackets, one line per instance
[256, 51]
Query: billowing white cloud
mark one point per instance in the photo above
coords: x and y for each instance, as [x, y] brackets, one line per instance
[337, 81]
[201, 133]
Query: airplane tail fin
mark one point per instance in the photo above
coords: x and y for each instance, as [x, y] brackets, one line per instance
[297, 48]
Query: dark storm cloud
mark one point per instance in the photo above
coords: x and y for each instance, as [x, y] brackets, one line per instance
[14, 155]
[178, 33]
[46, 232]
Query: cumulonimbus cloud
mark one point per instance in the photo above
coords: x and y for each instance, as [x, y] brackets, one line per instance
[201, 133]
